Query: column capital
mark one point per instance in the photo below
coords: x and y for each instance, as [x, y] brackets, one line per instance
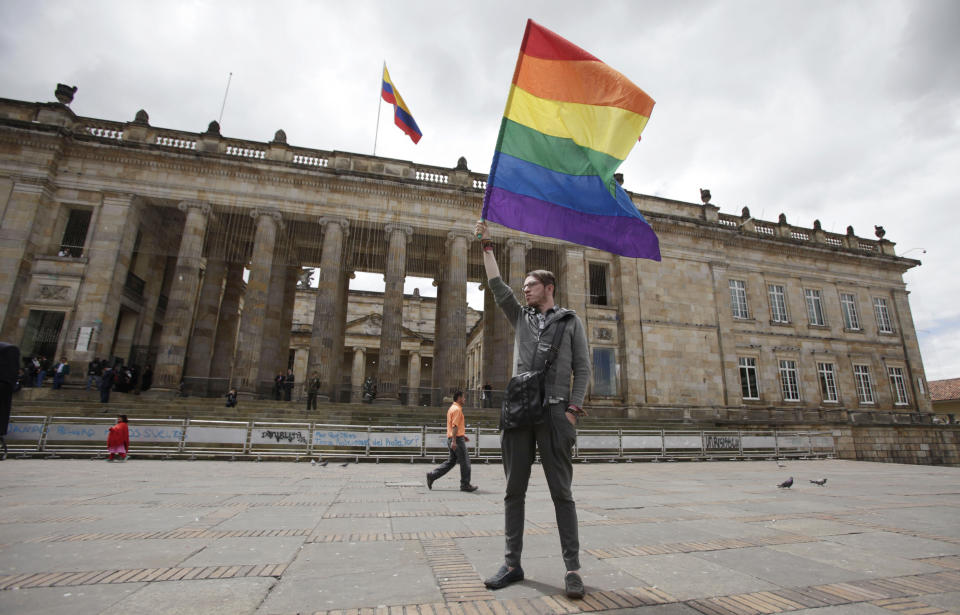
[360, 349]
[526, 244]
[343, 222]
[258, 212]
[402, 228]
[186, 206]
[454, 235]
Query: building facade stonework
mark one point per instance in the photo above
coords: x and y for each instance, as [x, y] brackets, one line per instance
[120, 239]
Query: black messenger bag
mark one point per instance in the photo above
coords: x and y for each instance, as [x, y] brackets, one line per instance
[523, 401]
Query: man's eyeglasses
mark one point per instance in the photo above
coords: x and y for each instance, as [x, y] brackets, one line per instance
[531, 284]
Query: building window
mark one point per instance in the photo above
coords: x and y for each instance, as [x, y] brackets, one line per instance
[899, 385]
[604, 372]
[749, 385]
[738, 299]
[41, 336]
[789, 381]
[778, 303]
[861, 374]
[814, 307]
[75, 234]
[598, 284]
[883, 315]
[848, 305]
[827, 374]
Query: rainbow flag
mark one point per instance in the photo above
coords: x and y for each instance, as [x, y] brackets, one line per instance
[401, 113]
[570, 121]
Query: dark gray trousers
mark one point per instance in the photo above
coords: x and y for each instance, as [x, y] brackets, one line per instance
[457, 455]
[554, 438]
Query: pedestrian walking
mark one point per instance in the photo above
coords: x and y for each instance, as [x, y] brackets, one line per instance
[457, 443]
[118, 439]
[552, 340]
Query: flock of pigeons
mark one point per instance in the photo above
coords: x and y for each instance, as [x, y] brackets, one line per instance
[324, 463]
[789, 483]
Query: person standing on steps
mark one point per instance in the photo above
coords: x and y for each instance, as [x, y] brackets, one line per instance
[313, 389]
[457, 442]
[553, 432]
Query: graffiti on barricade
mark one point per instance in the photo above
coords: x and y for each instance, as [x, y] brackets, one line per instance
[290, 437]
[715, 442]
[361, 438]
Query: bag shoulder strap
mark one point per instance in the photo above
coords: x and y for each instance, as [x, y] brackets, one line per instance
[555, 341]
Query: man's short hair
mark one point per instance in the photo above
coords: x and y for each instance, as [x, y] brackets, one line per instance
[457, 395]
[545, 277]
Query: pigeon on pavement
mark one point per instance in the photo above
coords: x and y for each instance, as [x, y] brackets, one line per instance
[786, 484]
[820, 482]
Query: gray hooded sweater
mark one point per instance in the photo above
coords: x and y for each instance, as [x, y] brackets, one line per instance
[572, 356]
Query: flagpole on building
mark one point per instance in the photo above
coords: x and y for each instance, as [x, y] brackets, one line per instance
[379, 104]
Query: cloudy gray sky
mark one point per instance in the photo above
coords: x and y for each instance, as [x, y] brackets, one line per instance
[843, 111]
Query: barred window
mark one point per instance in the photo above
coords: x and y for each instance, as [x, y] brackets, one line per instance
[848, 305]
[598, 284]
[814, 306]
[75, 233]
[738, 299]
[899, 386]
[827, 375]
[883, 315]
[749, 385]
[604, 372]
[789, 381]
[861, 374]
[778, 303]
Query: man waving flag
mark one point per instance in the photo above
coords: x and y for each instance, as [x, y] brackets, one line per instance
[569, 122]
[401, 113]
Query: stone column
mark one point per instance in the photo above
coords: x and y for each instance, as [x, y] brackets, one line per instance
[903, 325]
[28, 209]
[413, 378]
[356, 375]
[633, 372]
[109, 247]
[225, 342]
[496, 349]
[247, 366]
[200, 350]
[517, 249]
[728, 351]
[273, 359]
[286, 314]
[327, 328]
[178, 320]
[388, 368]
[451, 330]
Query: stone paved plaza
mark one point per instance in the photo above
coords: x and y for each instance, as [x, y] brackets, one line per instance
[710, 538]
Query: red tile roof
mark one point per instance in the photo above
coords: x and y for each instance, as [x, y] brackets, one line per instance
[943, 390]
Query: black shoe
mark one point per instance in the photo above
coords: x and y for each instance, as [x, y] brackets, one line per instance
[430, 480]
[573, 586]
[469, 488]
[504, 577]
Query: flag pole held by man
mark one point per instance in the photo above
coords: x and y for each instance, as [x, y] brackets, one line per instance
[570, 120]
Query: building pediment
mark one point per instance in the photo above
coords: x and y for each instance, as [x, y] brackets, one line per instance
[371, 325]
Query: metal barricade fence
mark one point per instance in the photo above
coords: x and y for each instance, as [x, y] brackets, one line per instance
[214, 438]
[58, 435]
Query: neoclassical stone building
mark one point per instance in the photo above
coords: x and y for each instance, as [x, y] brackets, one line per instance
[128, 240]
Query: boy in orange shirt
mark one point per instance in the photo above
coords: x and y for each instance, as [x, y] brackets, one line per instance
[457, 441]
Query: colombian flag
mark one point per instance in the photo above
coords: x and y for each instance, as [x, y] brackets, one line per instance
[401, 113]
[569, 122]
